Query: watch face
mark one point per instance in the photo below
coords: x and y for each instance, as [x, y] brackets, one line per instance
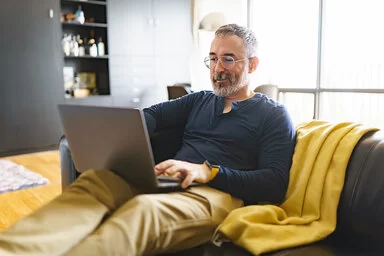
[211, 165]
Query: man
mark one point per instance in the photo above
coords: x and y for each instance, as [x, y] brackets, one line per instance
[238, 143]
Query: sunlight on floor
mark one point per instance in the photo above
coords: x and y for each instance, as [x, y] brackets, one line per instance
[17, 204]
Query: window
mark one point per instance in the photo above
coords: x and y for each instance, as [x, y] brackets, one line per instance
[288, 40]
[327, 56]
[300, 112]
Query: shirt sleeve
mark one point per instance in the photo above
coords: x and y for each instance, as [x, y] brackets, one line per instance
[268, 183]
[170, 113]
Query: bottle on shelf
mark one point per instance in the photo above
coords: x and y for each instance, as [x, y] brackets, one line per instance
[81, 46]
[74, 46]
[66, 45]
[86, 47]
[101, 47]
[79, 15]
[93, 50]
[92, 44]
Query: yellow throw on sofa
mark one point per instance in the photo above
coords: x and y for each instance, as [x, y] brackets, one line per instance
[316, 180]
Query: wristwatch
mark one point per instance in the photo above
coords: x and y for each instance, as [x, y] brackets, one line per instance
[214, 169]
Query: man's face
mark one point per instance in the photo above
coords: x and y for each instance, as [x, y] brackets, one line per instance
[228, 79]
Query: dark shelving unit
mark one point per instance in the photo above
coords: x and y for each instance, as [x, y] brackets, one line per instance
[86, 24]
[87, 57]
[95, 22]
[86, 2]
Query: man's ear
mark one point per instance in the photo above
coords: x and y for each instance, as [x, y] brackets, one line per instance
[253, 62]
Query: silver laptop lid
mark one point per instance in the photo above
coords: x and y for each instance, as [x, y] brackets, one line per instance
[110, 138]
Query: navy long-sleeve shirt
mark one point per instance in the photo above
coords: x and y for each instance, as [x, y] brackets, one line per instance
[253, 143]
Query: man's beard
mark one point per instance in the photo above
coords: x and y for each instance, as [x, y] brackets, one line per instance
[235, 83]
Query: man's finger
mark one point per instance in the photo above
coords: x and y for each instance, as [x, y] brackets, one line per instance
[165, 164]
[179, 175]
[174, 169]
[188, 180]
[158, 172]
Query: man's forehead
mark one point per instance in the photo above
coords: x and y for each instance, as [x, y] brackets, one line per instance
[227, 45]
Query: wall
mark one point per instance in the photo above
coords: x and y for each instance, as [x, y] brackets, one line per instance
[30, 76]
[150, 46]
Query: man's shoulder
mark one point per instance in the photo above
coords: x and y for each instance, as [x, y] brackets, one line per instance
[270, 109]
[263, 101]
[201, 95]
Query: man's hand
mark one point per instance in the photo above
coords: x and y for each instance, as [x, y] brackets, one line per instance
[188, 172]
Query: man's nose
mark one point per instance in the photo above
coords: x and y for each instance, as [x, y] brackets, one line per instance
[219, 66]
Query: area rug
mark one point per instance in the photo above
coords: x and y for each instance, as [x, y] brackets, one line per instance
[15, 177]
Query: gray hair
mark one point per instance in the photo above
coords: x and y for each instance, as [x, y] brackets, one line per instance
[244, 33]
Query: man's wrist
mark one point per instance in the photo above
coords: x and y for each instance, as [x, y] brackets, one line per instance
[214, 169]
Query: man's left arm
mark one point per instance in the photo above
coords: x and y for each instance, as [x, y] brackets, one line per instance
[269, 182]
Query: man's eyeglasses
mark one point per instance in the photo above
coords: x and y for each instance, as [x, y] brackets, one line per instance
[227, 62]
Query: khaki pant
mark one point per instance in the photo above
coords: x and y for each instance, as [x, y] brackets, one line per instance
[101, 214]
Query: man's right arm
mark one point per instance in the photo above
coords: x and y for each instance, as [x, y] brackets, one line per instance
[169, 114]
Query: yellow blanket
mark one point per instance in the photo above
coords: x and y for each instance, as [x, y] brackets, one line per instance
[309, 212]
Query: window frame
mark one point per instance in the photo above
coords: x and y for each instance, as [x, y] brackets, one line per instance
[318, 89]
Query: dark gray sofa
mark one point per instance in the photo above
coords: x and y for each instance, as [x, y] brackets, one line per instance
[360, 227]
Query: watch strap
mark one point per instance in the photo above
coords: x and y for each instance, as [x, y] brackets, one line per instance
[214, 169]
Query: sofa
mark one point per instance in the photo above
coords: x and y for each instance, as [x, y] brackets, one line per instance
[360, 225]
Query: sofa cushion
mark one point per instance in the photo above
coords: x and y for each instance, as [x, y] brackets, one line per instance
[327, 247]
[361, 207]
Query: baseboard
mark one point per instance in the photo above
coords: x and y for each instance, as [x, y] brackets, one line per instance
[29, 150]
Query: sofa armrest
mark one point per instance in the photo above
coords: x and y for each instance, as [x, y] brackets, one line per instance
[68, 170]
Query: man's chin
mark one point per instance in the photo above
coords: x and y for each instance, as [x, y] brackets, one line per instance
[220, 91]
[224, 91]
[222, 88]
[221, 84]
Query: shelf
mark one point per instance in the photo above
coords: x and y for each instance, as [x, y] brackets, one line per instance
[97, 10]
[87, 57]
[85, 2]
[87, 24]
[92, 96]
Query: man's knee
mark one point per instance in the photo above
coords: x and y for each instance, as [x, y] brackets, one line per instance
[101, 178]
[95, 174]
[106, 186]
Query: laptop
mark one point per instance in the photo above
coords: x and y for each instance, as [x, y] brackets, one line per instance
[115, 139]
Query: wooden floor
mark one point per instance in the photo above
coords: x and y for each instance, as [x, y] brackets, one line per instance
[15, 205]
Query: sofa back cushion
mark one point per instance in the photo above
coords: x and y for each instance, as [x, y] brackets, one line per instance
[361, 207]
